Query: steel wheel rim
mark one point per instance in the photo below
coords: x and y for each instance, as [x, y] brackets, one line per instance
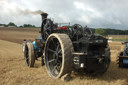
[27, 55]
[53, 57]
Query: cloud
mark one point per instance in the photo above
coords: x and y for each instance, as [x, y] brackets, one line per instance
[79, 5]
[84, 19]
[101, 13]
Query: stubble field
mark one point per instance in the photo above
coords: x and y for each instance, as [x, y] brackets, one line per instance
[13, 70]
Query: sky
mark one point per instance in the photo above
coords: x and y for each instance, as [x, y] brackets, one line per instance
[91, 13]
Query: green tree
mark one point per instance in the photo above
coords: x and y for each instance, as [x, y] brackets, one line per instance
[11, 24]
[28, 25]
[100, 32]
[20, 26]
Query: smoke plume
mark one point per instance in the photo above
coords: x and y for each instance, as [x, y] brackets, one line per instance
[28, 11]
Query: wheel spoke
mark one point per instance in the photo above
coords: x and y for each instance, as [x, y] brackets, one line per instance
[45, 25]
[59, 51]
[51, 50]
[52, 60]
[57, 48]
[54, 68]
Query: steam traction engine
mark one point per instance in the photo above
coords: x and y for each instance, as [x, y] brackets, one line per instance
[67, 48]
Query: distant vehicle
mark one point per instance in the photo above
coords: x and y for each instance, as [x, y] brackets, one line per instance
[123, 55]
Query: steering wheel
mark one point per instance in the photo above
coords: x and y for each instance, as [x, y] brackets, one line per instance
[87, 32]
[76, 29]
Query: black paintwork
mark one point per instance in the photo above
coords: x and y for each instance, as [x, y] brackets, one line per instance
[83, 40]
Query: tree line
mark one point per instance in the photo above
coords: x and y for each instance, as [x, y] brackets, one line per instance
[101, 31]
[108, 31]
[13, 24]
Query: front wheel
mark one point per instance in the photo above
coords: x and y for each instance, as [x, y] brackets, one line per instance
[29, 54]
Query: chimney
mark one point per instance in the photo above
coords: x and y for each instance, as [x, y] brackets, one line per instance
[44, 15]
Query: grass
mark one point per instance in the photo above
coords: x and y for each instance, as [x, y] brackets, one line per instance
[119, 37]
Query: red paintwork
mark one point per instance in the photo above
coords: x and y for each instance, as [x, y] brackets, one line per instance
[63, 28]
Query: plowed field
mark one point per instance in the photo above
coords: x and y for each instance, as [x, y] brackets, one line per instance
[13, 70]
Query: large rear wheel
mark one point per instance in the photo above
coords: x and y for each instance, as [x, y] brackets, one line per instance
[58, 55]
